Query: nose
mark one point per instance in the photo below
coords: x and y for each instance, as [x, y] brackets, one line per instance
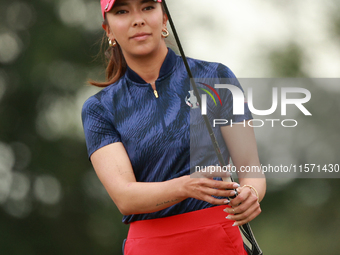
[138, 21]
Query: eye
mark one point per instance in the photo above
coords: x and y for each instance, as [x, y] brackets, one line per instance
[121, 12]
[149, 8]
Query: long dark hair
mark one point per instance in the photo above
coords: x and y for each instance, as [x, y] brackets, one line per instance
[114, 61]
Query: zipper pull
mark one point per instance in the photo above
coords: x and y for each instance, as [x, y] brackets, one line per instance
[153, 86]
[156, 93]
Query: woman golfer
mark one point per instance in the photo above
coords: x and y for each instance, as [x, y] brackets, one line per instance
[139, 139]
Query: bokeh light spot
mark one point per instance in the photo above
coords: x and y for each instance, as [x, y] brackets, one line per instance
[10, 47]
[20, 186]
[72, 12]
[20, 15]
[18, 208]
[47, 189]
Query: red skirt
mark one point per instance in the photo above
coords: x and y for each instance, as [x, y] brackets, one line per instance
[205, 231]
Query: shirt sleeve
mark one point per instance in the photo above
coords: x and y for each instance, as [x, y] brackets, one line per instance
[98, 126]
[227, 111]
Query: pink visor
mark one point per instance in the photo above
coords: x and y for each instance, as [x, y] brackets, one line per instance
[107, 5]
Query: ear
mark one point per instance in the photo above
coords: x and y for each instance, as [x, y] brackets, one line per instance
[165, 19]
[107, 30]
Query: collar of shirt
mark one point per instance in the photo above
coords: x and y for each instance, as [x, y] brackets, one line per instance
[166, 67]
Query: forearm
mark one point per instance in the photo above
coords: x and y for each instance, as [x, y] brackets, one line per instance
[114, 170]
[143, 197]
[148, 197]
[243, 150]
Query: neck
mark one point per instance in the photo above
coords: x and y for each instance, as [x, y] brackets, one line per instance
[148, 66]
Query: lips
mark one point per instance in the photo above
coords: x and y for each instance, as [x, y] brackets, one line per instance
[140, 36]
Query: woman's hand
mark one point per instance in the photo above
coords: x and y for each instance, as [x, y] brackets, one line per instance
[200, 185]
[245, 207]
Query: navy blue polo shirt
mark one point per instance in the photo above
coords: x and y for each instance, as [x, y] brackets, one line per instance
[159, 133]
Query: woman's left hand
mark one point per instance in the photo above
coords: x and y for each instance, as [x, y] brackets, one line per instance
[245, 207]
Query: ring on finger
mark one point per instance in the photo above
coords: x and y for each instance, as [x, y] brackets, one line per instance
[234, 211]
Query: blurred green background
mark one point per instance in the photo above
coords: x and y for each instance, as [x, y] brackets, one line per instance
[51, 201]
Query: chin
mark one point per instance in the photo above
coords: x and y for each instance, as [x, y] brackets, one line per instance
[144, 50]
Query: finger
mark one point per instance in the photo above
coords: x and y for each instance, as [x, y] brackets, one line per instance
[246, 201]
[213, 200]
[246, 216]
[251, 201]
[243, 195]
[243, 215]
[249, 218]
[216, 192]
[217, 184]
[226, 185]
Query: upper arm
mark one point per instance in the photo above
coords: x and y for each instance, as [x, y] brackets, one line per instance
[113, 168]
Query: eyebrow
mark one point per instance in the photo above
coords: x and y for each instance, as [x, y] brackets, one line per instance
[118, 4]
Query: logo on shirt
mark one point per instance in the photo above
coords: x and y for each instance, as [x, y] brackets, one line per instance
[191, 99]
[209, 93]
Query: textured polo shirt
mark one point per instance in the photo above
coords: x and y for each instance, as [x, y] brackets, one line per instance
[159, 134]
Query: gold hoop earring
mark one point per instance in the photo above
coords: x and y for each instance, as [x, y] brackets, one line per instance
[165, 33]
[112, 43]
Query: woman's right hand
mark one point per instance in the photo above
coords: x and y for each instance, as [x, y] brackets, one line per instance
[202, 186]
